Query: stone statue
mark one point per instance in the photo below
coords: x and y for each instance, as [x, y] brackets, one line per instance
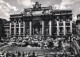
[27, 32]
[47, 31]
[36, 31]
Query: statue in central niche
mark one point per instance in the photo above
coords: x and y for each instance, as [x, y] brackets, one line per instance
[36, 31]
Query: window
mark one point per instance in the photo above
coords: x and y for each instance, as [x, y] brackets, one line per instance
[68, 29]
[61, 29]
[67, 24]
[12, 30]
[21, 30]
[17, 30]
[60, 24]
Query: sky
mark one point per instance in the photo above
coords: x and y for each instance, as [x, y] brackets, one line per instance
[8, 7]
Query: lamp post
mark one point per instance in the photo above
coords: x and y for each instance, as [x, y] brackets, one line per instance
[70, 43]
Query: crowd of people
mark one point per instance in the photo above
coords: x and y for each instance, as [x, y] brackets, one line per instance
[16, 54]
[43, 42]
[48, 43]
[37, 42]
[34, 54]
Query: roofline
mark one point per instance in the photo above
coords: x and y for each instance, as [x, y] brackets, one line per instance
[78, 15]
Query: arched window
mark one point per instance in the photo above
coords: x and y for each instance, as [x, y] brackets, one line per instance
[36, 23]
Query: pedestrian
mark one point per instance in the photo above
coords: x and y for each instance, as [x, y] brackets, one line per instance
[19, 54]
[55, 55]
[65, 54]
[16, 55]
[29, 54]
[4, 53]
[23, 54]
[7, 54]
[33, 55]
[46, 55]
[13, 55]
[26, 54]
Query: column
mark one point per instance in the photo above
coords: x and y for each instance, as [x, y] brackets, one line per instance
[42, 27]
[64, 31]
[10, 29]
[50, 27]
[24, 28]
[19, 28]
[57, 28]
[14, 28]
[70, 26]
[30, 28]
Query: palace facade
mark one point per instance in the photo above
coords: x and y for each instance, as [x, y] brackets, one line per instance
[78, 25]
[41, 21]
